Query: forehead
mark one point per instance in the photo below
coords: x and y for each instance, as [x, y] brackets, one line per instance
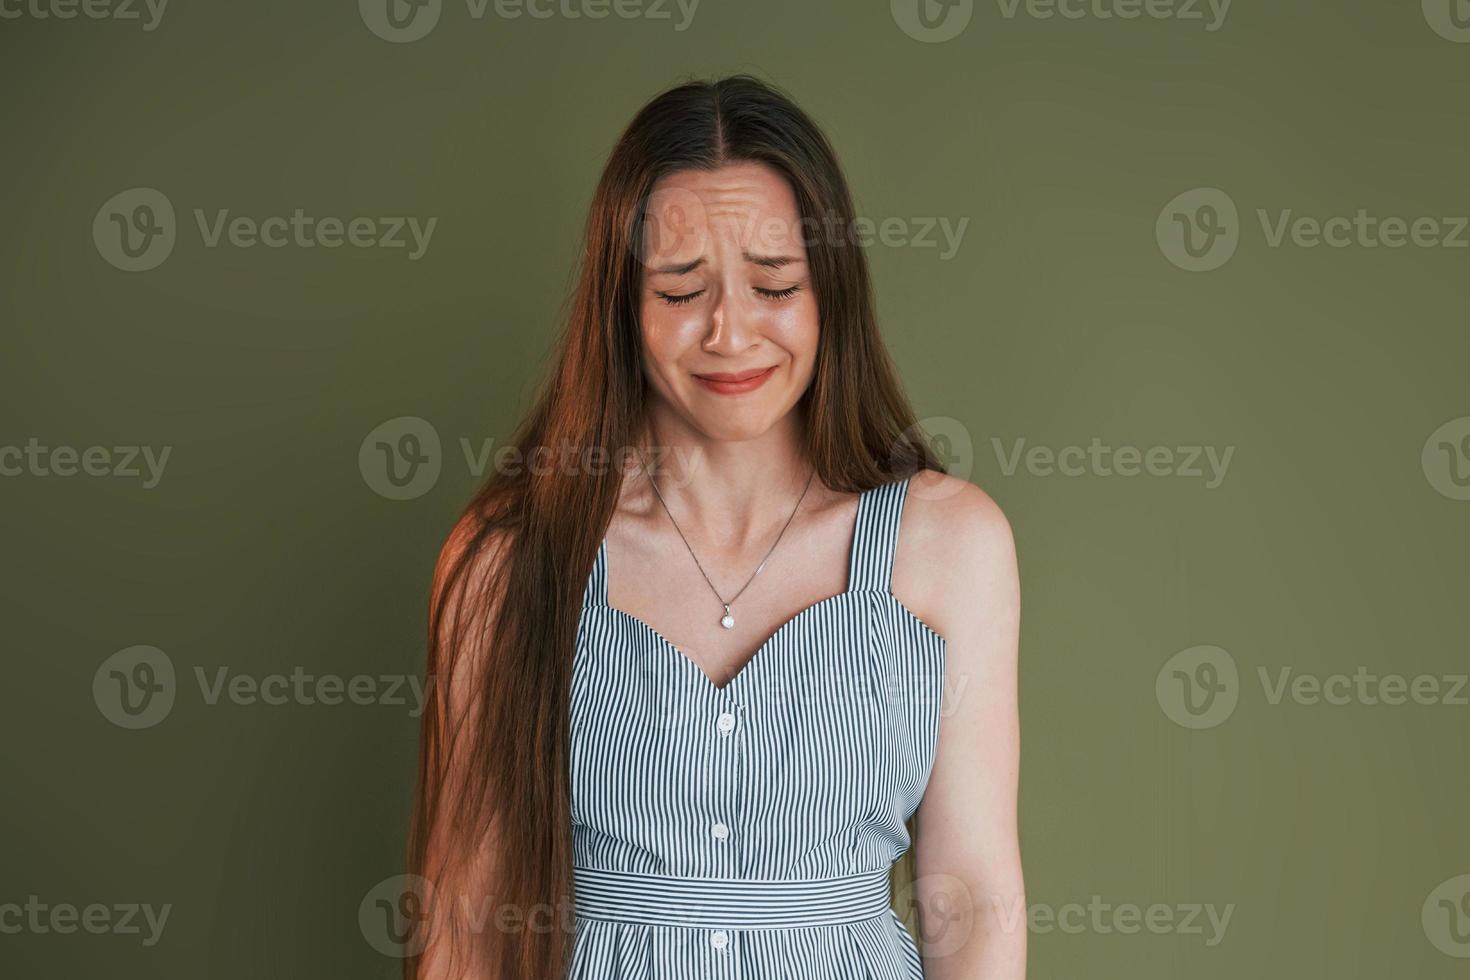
[746, 204]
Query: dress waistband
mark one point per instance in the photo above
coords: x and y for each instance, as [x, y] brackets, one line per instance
[735, 903]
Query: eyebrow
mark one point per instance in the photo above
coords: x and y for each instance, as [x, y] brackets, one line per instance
[765, 261]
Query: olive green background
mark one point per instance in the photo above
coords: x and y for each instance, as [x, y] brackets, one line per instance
[264, 548]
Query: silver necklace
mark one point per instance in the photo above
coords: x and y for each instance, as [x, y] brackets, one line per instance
[728, 620]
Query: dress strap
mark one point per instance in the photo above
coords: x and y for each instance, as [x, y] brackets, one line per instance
[595, 593]
[875, 538]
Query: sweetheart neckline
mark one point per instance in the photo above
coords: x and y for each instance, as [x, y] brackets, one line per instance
[679, 654]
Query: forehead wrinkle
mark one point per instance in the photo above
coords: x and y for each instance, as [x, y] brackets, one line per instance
[678, 268]
[761, 220]
[756, 231]
[771, 261]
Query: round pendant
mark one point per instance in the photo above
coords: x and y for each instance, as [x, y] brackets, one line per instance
[727, 621]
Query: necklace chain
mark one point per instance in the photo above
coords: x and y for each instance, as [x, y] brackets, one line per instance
[728, 620]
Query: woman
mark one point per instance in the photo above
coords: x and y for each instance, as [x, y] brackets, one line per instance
[692, 691]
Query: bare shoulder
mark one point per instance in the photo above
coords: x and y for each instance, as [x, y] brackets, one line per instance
[956, 557]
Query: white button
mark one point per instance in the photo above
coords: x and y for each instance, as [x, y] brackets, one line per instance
[720, 831]
[726, 723]
[720, 940]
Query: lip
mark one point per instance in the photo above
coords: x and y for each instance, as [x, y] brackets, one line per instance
[736, 383]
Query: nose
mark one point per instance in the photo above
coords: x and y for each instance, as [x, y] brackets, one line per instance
[731, 327]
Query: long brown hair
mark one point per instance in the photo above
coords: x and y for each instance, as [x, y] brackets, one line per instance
[491, 834]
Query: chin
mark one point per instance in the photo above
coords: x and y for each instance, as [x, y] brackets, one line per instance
[734, 423]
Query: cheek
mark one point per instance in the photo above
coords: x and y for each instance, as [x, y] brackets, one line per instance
[794, 325]
[668, 330]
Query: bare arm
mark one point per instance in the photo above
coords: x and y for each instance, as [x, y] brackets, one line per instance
[968, 880]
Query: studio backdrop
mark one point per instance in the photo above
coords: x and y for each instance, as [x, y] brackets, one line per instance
[1180, 283]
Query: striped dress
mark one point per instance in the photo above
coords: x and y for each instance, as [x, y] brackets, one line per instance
[747, 832]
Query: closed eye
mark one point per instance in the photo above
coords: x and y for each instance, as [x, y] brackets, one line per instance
[786, 293]
[677, 299]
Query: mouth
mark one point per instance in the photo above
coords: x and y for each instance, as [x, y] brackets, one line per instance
[734, 383]
[739, 376]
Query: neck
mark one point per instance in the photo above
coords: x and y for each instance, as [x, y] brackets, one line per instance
[734, 492]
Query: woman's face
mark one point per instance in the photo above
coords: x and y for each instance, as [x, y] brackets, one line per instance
[726, 295]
